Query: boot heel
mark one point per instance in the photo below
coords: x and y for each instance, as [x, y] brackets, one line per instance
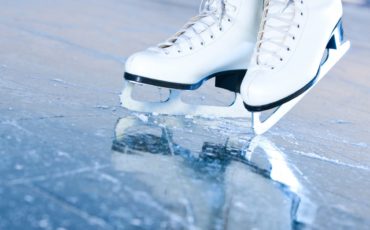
[230, 80]
[337, 37]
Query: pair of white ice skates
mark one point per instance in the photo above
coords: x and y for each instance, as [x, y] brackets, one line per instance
[270, 53]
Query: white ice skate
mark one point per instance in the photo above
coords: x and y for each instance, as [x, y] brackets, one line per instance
[215, 44]
[299, 42]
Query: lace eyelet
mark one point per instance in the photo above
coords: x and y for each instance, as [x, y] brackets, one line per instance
[220, 28]
[212, 37]
[202, 43]
[229, 20]
[179, 51]
[190, 48]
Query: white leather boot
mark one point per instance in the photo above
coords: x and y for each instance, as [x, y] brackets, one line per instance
[299, 41]
[219, 43]
[221, 38]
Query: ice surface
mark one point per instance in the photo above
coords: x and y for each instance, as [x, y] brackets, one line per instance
[71, 158]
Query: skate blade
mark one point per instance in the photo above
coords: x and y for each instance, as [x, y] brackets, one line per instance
[261, 126]
[175, 105]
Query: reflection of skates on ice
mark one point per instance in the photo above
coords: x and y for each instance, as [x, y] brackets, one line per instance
[223, 181]
[218, 43]
[299, 42]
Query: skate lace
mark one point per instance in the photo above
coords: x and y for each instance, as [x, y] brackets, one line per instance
[275, 30]
[210, 12]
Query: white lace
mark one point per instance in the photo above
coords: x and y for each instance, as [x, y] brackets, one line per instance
[210, 12]
[275, 29]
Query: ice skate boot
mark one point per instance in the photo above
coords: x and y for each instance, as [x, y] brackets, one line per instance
[299, 42]
[215, 44]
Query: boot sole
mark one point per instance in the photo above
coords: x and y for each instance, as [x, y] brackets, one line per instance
[230, 80]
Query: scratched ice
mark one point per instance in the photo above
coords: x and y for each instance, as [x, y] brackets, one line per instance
[71, 158]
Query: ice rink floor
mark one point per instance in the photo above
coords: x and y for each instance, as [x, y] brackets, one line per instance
[72, 158]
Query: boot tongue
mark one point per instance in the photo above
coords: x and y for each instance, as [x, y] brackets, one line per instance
[276, 30]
